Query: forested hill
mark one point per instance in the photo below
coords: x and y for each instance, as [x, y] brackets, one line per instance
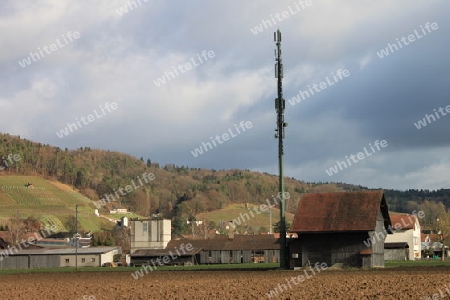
[176, 191]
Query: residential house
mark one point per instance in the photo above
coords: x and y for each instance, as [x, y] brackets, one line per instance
[432, 244]
[406, 228]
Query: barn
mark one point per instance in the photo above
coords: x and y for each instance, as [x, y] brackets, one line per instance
[340, 227]
[233, 249]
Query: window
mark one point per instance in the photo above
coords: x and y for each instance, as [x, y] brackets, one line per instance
[92, 259]
[83, 260]
[144, 227]
[67, 260]
[416, 240]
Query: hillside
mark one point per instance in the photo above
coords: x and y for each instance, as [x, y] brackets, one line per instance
[254, 222]
[52, 203]
[180, 193]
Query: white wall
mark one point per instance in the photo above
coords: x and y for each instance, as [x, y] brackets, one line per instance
[150, 234]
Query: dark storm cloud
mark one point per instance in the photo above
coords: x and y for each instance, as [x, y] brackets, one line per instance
[118, 58]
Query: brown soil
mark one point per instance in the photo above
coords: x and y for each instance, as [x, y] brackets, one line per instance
[405, 283]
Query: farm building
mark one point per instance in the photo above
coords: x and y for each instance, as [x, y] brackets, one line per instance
[149, 233]
[13, 258]
[406, 230]
[217, 250]
[341, 227]
[396, 251]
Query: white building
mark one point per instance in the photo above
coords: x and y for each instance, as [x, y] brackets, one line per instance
[407, 230]
[55, 258]
[150, 233]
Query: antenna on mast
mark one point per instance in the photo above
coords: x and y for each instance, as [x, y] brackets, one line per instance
[280, 105]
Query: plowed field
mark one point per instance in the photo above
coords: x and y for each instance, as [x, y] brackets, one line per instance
[392, 283]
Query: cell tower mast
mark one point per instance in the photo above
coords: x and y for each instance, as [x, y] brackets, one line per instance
[279, 133]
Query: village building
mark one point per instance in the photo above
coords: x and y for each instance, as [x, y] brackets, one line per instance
[151, 239]
[234, 249]
[149, 233]
[27, 258]
[406, 230]
[342, 227]
[432, 246]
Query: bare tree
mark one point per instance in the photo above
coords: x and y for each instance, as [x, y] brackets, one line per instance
[71, 225]
[204, 228]
[122, 238]
[16, 228]
[443, 230]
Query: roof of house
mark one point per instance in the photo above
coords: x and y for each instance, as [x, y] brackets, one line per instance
[433, 237]
[238, 242]
[406, 221]
[171, 248]
[339, 212]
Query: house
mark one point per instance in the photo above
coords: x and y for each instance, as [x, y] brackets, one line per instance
[234, 249]
[13, 258]
[340, 227]
[432, 244]
[119, 211]
[406, 230]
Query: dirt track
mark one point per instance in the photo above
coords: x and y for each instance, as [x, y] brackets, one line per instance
[406, 283]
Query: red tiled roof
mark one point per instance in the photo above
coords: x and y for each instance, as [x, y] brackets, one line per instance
[340, 211]
[406, 221]
[434, 237]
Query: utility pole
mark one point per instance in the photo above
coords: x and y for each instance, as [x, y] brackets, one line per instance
[280, 105]
[76, 237]
[270, 224]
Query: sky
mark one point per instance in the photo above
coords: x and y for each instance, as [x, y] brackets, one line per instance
[159, 79]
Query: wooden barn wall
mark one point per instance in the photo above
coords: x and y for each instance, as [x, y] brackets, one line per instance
[295, 249]
[237, 257]
[204, 257]
[330, 248]
[247, 256]
[44, 261]
[225, 257]
[378, 236]
[215, 257]
[271, 256]
[14, 263]
[395, 254]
